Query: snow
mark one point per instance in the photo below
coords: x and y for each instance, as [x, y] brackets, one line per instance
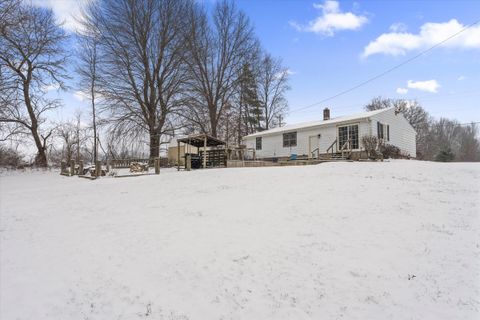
[391, 240]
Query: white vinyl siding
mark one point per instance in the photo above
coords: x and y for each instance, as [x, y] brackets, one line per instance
[398, 130]
[400, 133]
[272, 144]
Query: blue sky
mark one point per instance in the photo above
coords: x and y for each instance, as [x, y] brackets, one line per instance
[330, 46]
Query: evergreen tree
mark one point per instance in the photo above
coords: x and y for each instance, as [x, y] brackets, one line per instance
[251, 113]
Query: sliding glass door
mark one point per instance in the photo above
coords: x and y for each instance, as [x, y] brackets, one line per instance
[348, 132]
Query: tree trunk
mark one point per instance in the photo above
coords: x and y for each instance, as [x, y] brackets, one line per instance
[94, 125]
[213, 125]
[154, 145]
[41, 157]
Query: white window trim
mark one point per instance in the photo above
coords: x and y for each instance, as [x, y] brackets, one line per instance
[296, 139]
[261, 143]
[346, 125]
[384, 133]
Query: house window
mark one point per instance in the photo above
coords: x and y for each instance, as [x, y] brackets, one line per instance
[346, 133]
[290, 139]
[258, 143]
[383, 131]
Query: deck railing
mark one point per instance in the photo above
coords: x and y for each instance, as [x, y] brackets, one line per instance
[330, 149]
[346, 147]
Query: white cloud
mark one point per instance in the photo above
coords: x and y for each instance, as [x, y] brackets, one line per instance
[399, 42]
[402, 90]
[288, 72]
[398, 27]
[461, 78]
[65, 11]
[79, 95]
[331, 20]
[51, 87]
[428, 85]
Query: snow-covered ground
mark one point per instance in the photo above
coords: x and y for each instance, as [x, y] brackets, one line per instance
[392, 240]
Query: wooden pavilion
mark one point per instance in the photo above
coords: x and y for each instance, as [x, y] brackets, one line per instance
[208, 151]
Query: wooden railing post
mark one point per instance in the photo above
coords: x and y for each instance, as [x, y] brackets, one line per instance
[205, 151]
[188, 161]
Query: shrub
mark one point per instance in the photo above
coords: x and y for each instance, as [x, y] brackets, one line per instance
[10, 158]
[388, 151]
[370, 144]
[445, 155]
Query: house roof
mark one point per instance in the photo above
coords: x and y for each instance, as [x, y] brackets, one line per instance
[310, 124]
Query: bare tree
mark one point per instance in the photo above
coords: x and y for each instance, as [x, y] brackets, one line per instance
[73, 136]
[272, 86]
[217, 53]
[32, 58]
[142, 78]
[87, 69]
[66, 133]
[7, 13]
[378, 103]
[444, 136]
[9, 17]
[469, 149]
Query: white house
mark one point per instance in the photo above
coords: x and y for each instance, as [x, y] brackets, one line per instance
[320, 137]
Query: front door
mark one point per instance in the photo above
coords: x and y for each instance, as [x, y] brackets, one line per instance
[313, 144]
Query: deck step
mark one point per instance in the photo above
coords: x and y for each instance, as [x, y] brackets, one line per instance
[334, 156]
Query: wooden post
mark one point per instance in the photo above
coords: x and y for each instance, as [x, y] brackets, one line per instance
[178, 155]
[72, 167]
[108, 166]
[98, 169]
[80, 167]
[188, 162]
[157, 165]
[205, 151]
[63, 167]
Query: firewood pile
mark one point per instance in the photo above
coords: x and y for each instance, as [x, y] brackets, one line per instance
[138, 167]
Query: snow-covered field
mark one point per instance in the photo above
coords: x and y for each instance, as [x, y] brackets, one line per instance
[392, 240]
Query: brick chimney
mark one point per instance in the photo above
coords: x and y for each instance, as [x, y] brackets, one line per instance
[326, 114]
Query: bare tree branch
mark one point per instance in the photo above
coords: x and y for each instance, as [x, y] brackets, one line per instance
[32, 57]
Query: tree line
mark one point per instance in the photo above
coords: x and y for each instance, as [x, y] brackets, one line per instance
[441, 140]
[150, 69]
